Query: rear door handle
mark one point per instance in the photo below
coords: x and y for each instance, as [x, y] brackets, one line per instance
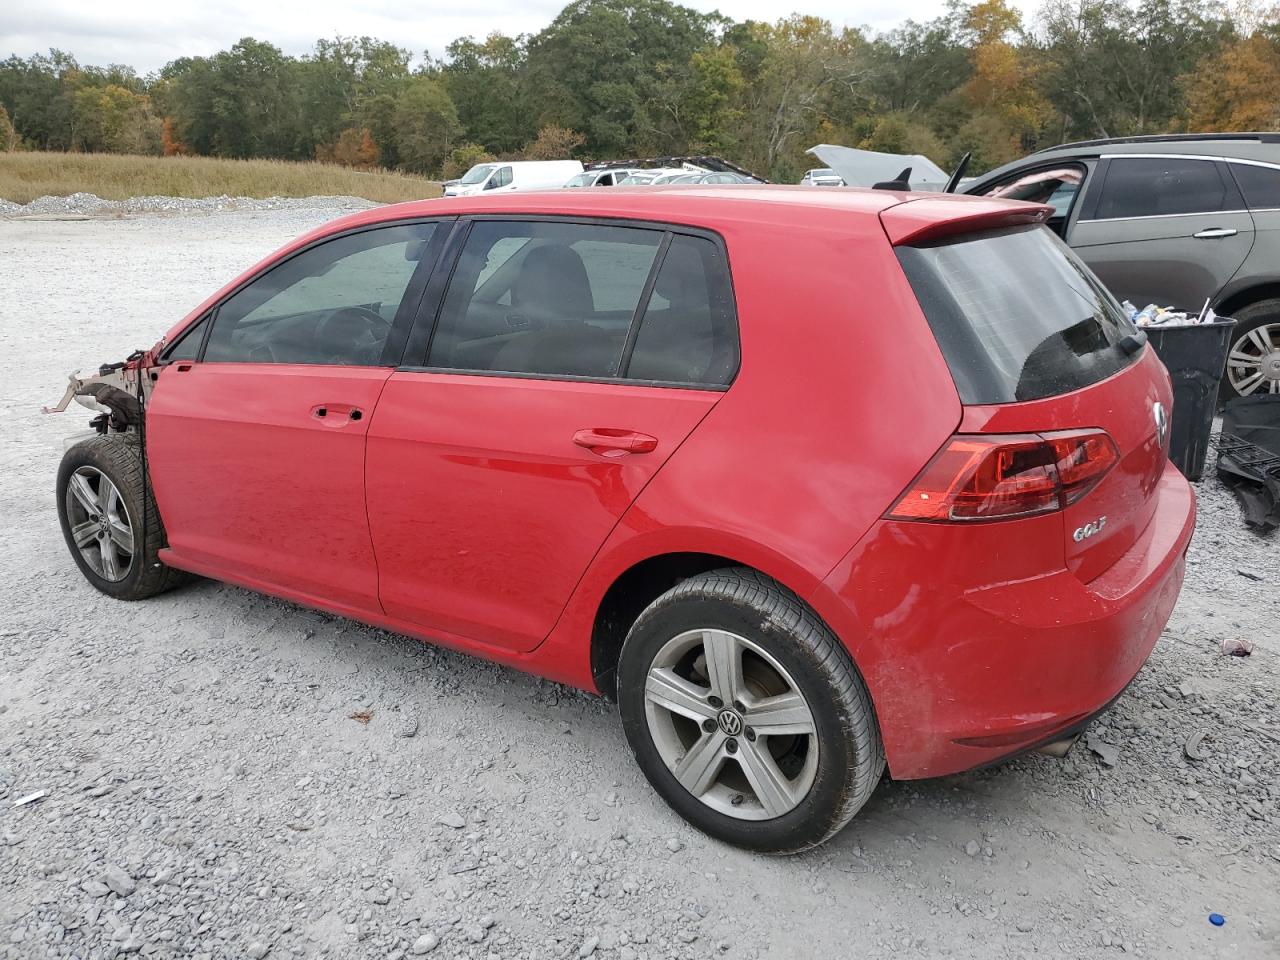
[1215, 233]
[608, 442]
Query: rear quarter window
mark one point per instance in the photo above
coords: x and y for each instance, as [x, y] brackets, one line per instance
[1260, 185]
[1017, 315]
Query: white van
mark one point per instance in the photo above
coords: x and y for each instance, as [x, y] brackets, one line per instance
[507, 175]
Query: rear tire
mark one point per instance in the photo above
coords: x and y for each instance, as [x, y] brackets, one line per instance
[1255, 342]
[800, 712]
[110, 521]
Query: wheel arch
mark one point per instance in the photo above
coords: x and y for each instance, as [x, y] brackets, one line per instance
[645, 579]
[1240, 299]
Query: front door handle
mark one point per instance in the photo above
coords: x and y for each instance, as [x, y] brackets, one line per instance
[336, 414]
[608, 442]
[1215, 233]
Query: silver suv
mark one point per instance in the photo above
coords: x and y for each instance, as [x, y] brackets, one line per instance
[1178, 220]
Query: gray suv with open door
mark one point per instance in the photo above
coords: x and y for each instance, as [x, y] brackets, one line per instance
[1172, 220]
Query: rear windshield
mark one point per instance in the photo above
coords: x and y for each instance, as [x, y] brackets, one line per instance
[1017, 315]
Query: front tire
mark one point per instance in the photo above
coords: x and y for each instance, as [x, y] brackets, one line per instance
[110, 521]
[1253, 361]
[746, 713]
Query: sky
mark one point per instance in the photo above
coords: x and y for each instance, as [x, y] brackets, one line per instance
[149, 33]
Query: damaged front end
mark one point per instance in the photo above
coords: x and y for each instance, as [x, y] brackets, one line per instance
[117, 393]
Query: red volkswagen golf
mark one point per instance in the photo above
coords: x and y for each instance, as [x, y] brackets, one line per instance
[812, 482]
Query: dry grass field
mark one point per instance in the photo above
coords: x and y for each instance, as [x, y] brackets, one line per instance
[27, 175]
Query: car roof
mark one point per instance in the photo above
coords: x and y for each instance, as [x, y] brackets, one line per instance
[1263, 147]
[904, 216]
[709, 206]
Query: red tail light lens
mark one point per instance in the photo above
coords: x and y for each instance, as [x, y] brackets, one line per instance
[1000, 476]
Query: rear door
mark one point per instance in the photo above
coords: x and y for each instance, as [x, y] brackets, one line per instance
[566, 362]
[256, 428]
[1167, 230]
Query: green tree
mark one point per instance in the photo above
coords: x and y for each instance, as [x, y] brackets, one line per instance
[426, 125]
[485, 81]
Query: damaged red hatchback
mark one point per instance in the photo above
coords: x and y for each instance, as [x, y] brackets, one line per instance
[813, 482]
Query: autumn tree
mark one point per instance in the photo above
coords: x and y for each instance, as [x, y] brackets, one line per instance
[9, 139]
[553, 142]
[1238, 90]
[462, 158]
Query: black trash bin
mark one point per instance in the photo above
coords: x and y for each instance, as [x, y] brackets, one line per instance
[1195, 355]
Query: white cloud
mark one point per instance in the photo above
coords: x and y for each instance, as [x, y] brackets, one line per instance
[149, 33]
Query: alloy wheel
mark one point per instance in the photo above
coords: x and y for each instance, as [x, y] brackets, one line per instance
[731, 724]
[100, 524]
[1253, 363]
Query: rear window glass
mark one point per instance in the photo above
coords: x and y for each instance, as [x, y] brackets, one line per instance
[1017, 315]
[1260, 185]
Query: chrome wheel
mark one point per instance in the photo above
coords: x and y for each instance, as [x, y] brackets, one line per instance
[99, 523]
[1253, 363]
[731, 724]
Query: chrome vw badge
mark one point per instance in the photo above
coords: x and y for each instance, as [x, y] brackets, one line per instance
[730, 722]
[1162, 421]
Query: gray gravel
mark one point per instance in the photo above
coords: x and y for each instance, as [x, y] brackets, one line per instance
[209, 795]
[88, 205]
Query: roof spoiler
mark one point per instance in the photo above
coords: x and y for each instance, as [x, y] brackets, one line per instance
[940, 216]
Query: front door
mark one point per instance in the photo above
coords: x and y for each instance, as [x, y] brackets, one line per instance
[569, 361]
[1164, 230]
[257, 440]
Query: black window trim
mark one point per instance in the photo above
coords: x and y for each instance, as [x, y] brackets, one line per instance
[206, 318]
[410, 302]
[428, 317]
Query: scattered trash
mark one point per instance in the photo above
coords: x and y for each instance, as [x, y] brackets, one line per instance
[1154, 316]
[362, 716]
[1236, 648]
[1108, 753]
[1217, 919]
[30, 798]
[1192, 748]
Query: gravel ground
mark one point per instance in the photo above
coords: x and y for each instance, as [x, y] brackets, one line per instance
[228, 775]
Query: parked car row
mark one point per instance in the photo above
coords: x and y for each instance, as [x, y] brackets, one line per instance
[517, 175]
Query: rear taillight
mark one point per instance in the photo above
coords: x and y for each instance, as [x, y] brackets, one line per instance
[1000, 476]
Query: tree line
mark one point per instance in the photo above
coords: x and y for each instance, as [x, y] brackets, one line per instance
[628, 78]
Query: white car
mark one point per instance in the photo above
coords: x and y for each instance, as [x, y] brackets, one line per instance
[822, 177]
[600, 178]
[511, 175]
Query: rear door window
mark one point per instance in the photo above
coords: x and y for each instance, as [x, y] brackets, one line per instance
[1017, 315]
[1160, 187]
[555, 299]
[1260, 185]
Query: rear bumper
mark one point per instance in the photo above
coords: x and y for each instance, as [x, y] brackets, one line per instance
[966, 670]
